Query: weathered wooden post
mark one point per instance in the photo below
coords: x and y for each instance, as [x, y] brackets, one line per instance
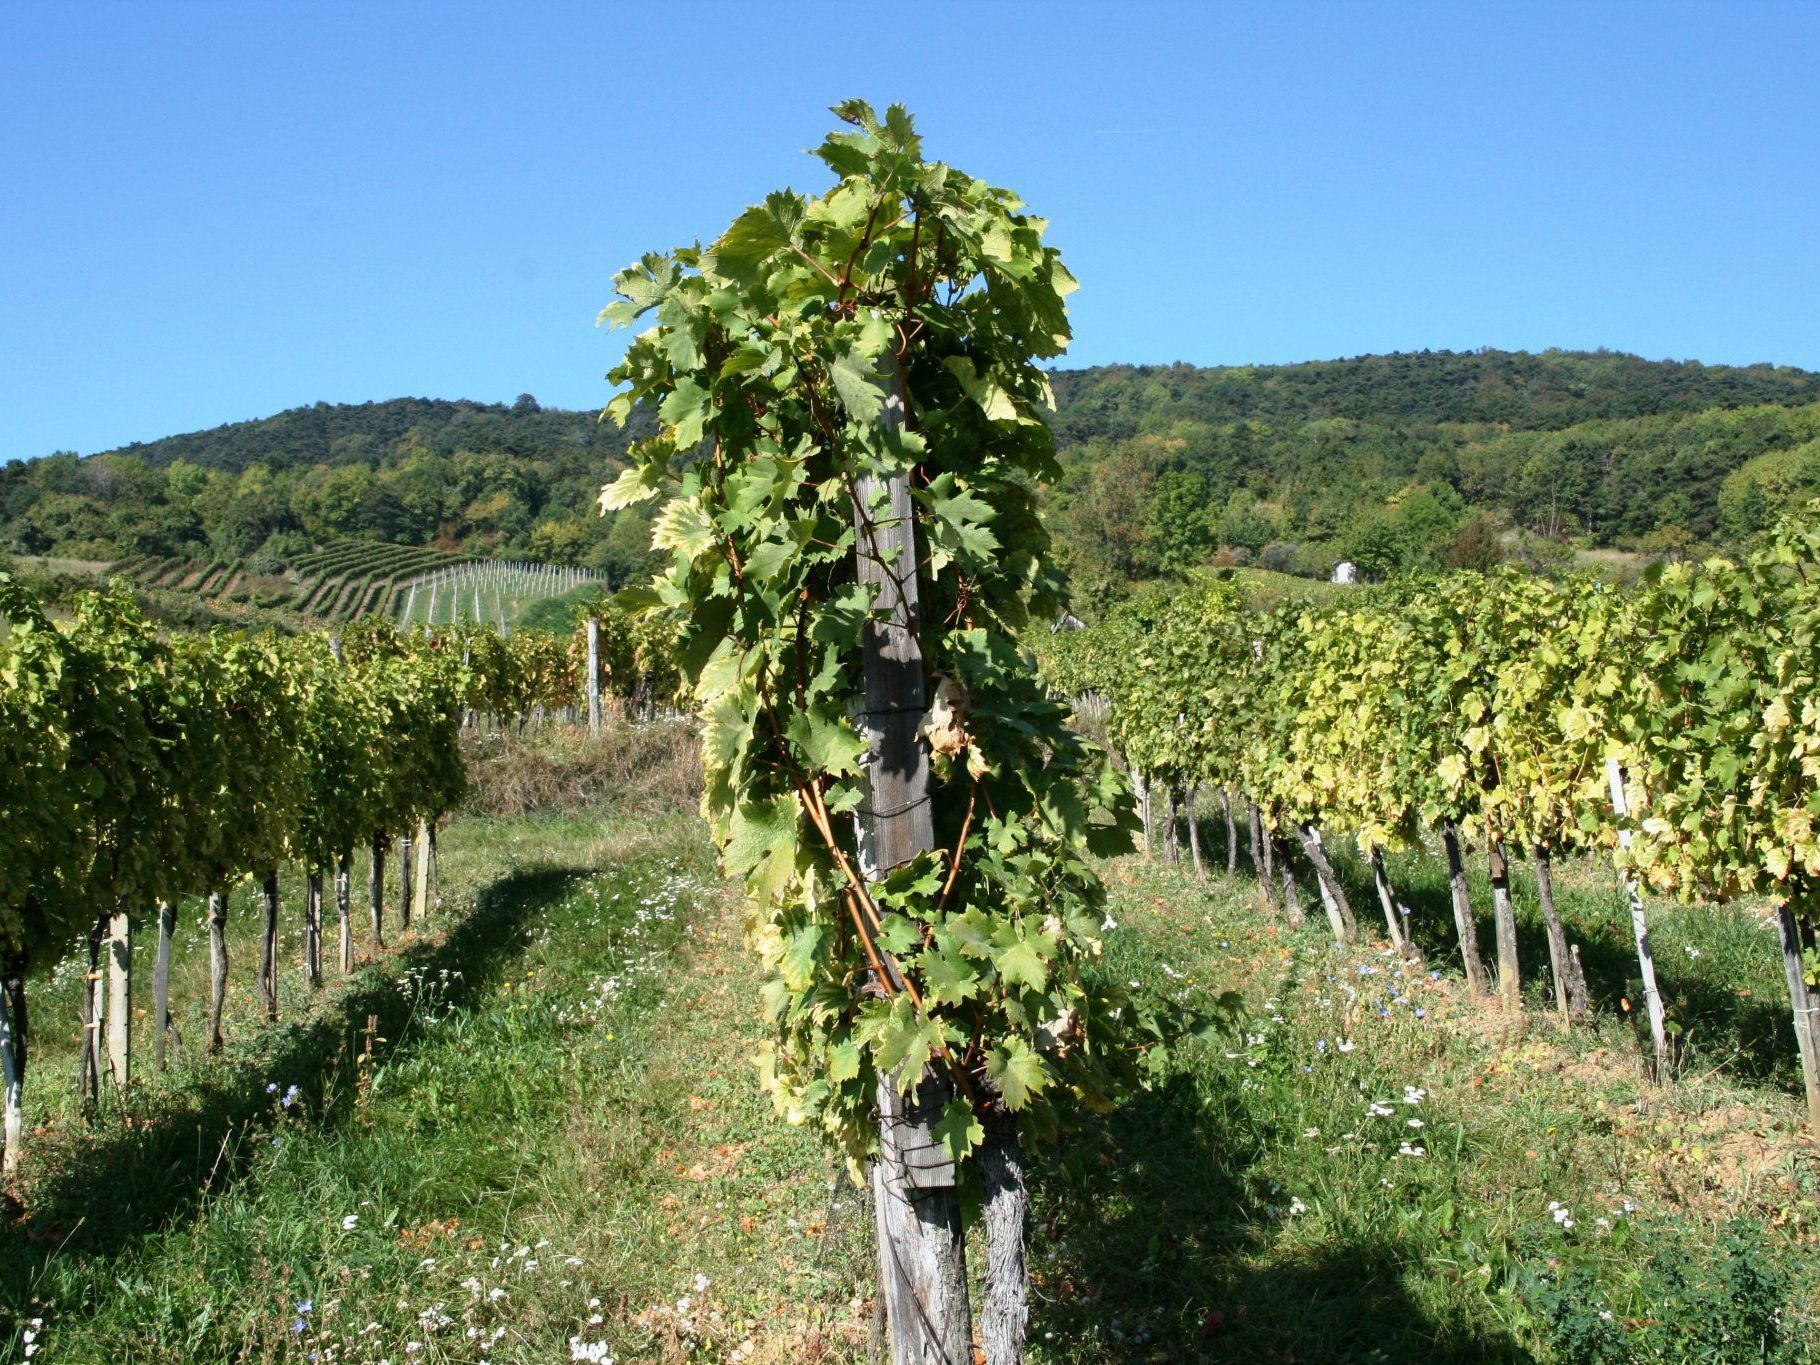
[1504, 920]
[268, 947]
[218, 965]
[376, 889]
[312, 928]
[1462, 909]
[161, 983]
[407, 898]
[1639, 925]
[922, 1267]
[345, 926]
[119, 999]
[12, 1075]
[426, 836]
[594, 675]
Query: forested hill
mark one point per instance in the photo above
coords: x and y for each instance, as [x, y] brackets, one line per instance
[1510, 388]
[1396, 462]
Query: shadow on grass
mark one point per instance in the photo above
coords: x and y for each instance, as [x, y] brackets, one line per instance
[101, 1196]
[1748, 1035]
[1150, 1237]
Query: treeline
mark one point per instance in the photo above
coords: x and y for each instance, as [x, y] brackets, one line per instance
[517, 482]
[138, 768]
[1395, 496]
[1673, 728]
[1398, 463]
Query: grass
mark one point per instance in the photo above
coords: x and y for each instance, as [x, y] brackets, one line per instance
[549, 1139]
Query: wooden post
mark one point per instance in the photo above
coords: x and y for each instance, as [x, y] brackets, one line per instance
[1232, 835]
[425, 839]
[12, 1076]
[88, 1079]
[218, 965]
[1142, 785]
[594, 675]
[406, 896]
[1504, 918]
[1292, 897]
[345, 923]
[119, 1000]
[376, 890]
[1462, 910]
[1333, 895]
[268, 947]
[1639, 926]
[1387, 901]
[312, 928]
[922, 1267]
[1563, 962]
[161, 983]
[999, 1161]
[1806, 1007]
[1260, 857]
[1194, 830]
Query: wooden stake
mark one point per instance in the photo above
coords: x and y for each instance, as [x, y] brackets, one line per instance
[161, 983]
[1462, 910]
[1563, 962]
[1639, 928]
[312, 928]
[594, 675]
[119, 1000]
[921, 1246]
[1504, 918]
[407, 898]
[1806, 1006]
[1232, 835]
[12, 1076]
[88, 1080]
[345, 922]
[376, 889]
[421, 886]
[268, 948]
[1387, 901]
[218, 965]
[1194, 831]
[1333, 895]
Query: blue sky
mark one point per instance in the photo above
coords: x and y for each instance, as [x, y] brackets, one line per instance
[213, 212]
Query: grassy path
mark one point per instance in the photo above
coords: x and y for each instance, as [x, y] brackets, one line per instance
[549, 1145]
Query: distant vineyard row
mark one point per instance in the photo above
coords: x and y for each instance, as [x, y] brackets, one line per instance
[351, 579]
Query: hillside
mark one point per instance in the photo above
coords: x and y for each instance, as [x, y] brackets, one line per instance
[1396, 462]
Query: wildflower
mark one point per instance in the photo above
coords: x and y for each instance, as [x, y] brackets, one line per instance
[1297, 1206]
[1320, 1045]
[701, 1284]
[1379, 1110]
[271, 1087]
[305, 1307]
[1415, 1123]
[1691, 951]
[291, 1096]
[1108, 924]
[349, 1223]
[1345, 1045]
[1409, 1150]
[1414, 1094]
